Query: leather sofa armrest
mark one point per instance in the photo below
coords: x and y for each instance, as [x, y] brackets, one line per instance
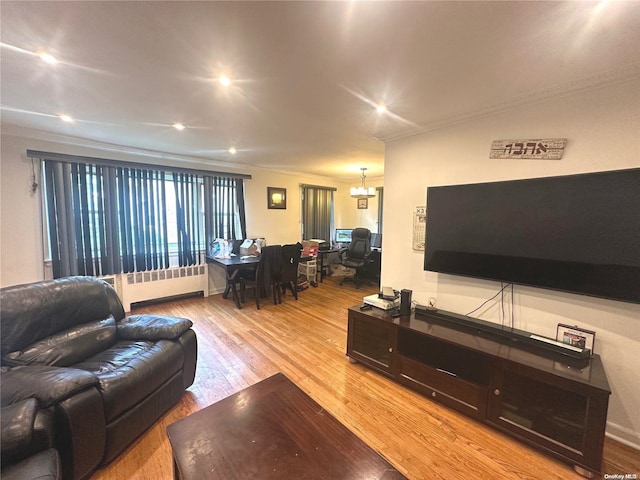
[152, 327]
[17, 422]
[48, 384]
[44, 465]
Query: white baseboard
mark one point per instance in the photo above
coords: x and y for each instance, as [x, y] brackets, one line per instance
[623, 435]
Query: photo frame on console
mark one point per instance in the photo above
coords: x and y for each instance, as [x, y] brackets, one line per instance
[575, 336]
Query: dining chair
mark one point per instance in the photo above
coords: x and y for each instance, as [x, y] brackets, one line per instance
[289, 273]
[265, 278]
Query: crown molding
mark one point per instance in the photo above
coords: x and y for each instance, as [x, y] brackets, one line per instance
[61, 139]
[593, 82]
[41, 135]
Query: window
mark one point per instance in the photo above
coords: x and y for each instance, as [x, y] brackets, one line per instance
[112, 218]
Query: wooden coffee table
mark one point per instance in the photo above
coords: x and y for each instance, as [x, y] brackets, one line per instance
[271, 430]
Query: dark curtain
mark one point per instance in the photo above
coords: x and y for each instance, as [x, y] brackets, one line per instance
[188, 211]
[317, 212]
[142, 216]
[224, 209]
[107, 219]
[82, 218]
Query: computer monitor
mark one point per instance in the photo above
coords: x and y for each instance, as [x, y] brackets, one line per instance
[376, 240]
[343, 235]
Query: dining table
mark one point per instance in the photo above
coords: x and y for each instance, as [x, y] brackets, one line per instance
[232, 266]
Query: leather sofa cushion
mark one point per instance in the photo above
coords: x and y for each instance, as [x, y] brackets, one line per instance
[152, 327]
[68, 347]
[35, 311]
[131, 370]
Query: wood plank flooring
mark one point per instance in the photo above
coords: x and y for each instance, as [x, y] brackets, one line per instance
[306, 340]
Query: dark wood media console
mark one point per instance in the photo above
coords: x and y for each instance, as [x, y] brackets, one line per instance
[538, 397]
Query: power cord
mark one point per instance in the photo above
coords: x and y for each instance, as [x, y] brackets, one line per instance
[487, 301]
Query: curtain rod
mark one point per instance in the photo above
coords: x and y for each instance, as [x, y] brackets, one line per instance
[63, 157]
[306, 185]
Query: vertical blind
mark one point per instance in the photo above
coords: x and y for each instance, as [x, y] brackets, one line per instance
[106, 219]
[317, 212]
[224, 210]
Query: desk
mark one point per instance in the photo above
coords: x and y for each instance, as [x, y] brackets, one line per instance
[270, 431]
[322, 266]
[372, 270]
[232, 267]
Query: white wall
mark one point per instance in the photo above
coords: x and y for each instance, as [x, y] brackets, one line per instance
[284, 226]
[20, 224]
[21, 258]
[352, 216]
[603, 131]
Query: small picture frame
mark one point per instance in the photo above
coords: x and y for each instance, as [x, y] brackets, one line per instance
[363, 203]
[576, 337]
[277, 198]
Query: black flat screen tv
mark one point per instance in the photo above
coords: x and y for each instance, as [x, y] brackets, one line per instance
[576, 233]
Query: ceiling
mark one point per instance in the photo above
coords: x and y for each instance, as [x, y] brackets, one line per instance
[306, 76]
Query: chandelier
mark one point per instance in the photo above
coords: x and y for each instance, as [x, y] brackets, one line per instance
[362, 191]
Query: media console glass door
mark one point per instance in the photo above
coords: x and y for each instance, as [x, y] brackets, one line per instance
[546, 413]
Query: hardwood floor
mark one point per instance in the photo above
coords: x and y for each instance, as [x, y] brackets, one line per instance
[306, 340]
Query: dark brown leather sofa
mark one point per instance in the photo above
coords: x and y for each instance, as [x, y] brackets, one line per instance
[104, 377]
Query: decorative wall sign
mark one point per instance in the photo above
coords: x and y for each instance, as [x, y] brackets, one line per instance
[537, 148]
[277, 198]
[363, 203]
[419, 228]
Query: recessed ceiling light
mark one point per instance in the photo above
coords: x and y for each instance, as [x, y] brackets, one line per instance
[381, 108]
[232, 150]
[47, 57]
[178, 126]
[224, 80]
[66, 118]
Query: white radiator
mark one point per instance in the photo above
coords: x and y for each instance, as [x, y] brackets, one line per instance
[159, 284]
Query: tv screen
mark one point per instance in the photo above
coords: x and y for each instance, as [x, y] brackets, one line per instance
[576, 233]
[343, 235]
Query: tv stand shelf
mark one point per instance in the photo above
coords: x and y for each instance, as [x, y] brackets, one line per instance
[554, 403]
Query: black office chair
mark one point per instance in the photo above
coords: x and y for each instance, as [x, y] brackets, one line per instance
[357, 254]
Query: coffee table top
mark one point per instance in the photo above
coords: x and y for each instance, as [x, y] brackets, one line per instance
[271, 430]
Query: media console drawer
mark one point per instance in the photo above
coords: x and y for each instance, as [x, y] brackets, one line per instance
[444, 387]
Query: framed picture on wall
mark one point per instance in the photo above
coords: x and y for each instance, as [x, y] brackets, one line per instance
[277, 198]
[363, 203]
